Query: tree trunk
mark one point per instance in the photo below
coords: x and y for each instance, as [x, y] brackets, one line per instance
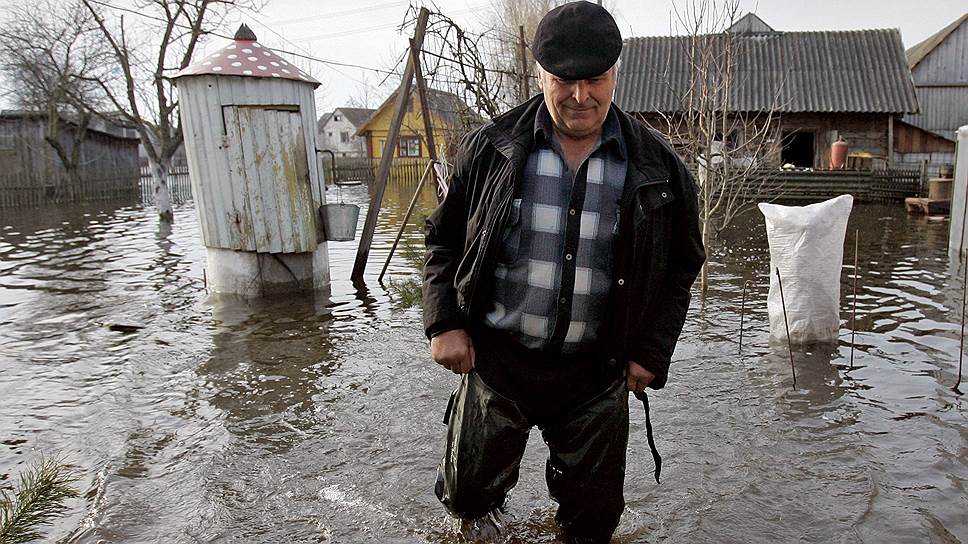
[159, 175]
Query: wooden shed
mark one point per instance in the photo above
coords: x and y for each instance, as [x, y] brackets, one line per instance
[820, 85]
[939, 66]
[249, 121]
[32, 174]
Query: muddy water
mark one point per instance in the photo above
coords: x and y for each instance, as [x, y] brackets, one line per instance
[318, 419]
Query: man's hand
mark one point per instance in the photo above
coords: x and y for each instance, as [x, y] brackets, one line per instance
[453, 350]
[639, 378]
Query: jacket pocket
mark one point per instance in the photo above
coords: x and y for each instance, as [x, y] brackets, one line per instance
[511, 235]
[650, 198]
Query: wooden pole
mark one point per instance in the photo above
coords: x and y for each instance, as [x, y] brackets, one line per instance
[742, 314]
[853, 319]
[406, 218]
[525, 83]
[424, 108]
[403, 97]
[786, 322]
[961, 348]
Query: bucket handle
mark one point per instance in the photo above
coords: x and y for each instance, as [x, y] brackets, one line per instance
[322, 189]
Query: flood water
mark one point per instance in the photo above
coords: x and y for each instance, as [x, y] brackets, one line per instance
[318, 420]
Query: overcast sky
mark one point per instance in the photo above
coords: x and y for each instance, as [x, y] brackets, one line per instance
[364, 32]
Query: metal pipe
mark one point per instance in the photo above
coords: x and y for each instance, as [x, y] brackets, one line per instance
[787, 323]
[853, 319]
[742, 315]
[403, 225]
[332, 159]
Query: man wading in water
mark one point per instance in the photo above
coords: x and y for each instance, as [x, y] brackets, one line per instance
[557, 279]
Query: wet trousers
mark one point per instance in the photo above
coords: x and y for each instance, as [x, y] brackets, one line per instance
[585, 424]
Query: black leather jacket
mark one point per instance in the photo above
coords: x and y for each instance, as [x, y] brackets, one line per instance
[658, 251]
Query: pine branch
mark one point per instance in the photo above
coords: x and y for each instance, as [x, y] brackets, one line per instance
[39, 498]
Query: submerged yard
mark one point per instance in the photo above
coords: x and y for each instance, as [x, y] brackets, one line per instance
[318, 419]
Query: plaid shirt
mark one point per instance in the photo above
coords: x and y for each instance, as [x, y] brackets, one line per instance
[554, 269]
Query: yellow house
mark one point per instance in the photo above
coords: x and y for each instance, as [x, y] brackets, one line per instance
[451, 119]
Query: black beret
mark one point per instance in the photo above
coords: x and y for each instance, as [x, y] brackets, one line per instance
[578, 40]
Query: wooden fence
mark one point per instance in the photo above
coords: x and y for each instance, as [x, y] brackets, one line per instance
[26, 190]
[365, 169]
[179, 185]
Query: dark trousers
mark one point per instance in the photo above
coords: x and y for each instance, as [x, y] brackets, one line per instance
[581, 407]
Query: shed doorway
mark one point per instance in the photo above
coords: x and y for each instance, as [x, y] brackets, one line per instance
[272, 196]
[798, 149]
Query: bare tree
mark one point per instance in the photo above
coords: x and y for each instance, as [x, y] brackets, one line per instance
[52, 51]
[161, 41]
[729, 148]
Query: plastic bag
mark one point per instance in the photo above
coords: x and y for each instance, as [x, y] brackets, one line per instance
[807, 246]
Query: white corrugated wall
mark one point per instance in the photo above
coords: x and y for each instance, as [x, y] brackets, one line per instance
[220, 178]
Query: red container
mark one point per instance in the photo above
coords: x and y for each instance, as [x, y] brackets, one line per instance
[838, 154]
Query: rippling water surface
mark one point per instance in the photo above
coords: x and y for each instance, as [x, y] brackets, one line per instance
[318, 419]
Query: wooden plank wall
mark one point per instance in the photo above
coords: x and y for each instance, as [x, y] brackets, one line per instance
[32, 175]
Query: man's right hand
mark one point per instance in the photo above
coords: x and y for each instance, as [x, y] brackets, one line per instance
[453, 350]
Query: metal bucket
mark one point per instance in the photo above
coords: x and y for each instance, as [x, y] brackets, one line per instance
[340, 221]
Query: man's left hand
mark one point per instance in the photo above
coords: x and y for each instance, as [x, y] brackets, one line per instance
[638, 377]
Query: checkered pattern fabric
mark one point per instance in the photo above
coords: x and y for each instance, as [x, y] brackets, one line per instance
[554, 270]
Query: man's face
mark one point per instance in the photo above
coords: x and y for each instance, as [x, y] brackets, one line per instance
[578, 106]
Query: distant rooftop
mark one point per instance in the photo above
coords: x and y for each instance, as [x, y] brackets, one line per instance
[819, 71]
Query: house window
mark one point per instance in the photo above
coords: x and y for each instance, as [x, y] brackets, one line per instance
[330, 134]
[798, 149]
[409, 146]
[344, 137]
[336, 118]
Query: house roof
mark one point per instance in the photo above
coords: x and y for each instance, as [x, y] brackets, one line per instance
[323, 120]
[917, 52]
[356, 116]
[116, 129]
[826, 71]
[750, 24]
[245, 57]
[446, 105]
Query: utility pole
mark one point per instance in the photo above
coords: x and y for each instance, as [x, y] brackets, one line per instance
[424, 105]
[403, 98]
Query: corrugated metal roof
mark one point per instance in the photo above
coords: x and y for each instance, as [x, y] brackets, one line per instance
[829, 71]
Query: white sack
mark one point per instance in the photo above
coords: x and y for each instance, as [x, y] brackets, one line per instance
[807, 246]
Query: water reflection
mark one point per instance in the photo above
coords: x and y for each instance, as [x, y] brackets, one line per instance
[318, 419]
[266, 361]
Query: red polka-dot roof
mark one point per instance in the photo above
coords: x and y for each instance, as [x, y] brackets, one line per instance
[246, 58]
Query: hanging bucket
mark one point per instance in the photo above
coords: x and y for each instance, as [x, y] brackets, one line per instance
[340, 221]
